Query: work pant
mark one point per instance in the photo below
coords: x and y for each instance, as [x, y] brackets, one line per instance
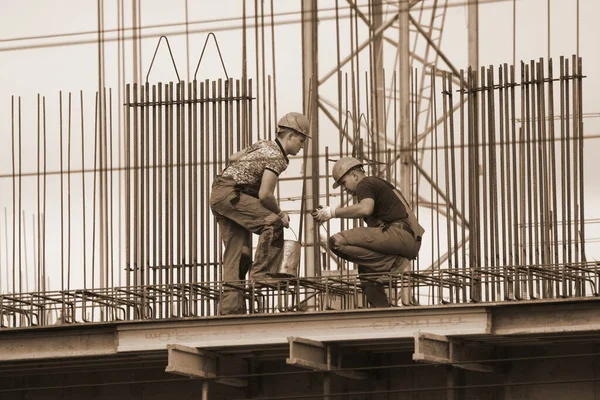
[239, 215]
[376, 250]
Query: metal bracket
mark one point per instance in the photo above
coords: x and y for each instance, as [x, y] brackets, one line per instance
[311, 354]
[202, 364]
[438, 349]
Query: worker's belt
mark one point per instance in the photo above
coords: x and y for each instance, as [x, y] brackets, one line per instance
[400, 224]
[250, 190]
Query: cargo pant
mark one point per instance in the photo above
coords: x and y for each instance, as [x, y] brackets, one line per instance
[239, 215]
[376, 250]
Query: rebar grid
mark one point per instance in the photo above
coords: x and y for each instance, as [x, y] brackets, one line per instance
[280, 296]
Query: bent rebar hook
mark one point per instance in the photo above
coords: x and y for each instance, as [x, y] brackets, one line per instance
[170, 53]
[218, 50]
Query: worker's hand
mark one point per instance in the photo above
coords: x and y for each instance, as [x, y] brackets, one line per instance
[285, 219]
[323, 213]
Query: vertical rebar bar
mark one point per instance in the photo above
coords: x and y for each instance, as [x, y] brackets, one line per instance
[504, 215]
[170, 209]
[161, 200]
[68, 203]
[147, 230]
[579, 83]
[203, 187]
[135, 168]
[60, 142]
[463, 178]
[127, 197]
[194, 202]
[446, 146]
[190, 195]
[485, 170]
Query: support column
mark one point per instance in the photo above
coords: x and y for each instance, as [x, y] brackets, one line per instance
[404, 133]
[404, 97]
[310, 72]
[473, 27]
[378, 83]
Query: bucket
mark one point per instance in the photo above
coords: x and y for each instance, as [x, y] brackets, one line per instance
[290, 261]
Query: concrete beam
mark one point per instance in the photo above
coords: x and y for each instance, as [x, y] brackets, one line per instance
[539, 318]
[74, 341]
[547, 316]
[202, 364]
[438, 349]
[317, 356]
[274, 329]
[191, 362]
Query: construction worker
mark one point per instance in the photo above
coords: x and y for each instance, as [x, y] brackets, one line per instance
[392, 236]
[243, 202]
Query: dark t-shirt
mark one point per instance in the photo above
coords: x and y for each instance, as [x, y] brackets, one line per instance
[388, 208]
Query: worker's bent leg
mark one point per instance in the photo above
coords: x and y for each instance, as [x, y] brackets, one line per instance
[236, 260]
[249, 213]
[354, 246]
[374, 291]
[373, 248]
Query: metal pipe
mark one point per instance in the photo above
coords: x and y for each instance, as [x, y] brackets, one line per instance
[104, 238]
[447, 170]
[160, 194]
[485, 189]
[68, 202]
[453, 178]
[579, 83]
[576, 157]
[463, 176]
[39, 213]
[60, 141]
[203, 187]
[190, 193]
[83, 191]
[155, 262]
[169, 206]
[147, 230]
[205, 390]
[494, 217]
[568, 164]
[143, 211]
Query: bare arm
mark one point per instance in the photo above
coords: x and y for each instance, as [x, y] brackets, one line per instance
[360, 210]
[266, 193]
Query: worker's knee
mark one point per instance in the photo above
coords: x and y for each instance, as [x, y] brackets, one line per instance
[336, 241]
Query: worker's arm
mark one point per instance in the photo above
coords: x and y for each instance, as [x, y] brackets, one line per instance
[266, 195]
[362, 209]
[359, 210]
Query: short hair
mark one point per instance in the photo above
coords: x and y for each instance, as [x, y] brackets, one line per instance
[356, 168]
[283, 131]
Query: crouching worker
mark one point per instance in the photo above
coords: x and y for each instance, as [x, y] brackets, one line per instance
[243, 202]
[392, 235]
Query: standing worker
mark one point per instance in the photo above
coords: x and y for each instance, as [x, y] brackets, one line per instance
[243, 202]
[392, 235]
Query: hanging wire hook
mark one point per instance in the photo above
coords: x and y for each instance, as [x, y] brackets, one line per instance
[170, 53]
[294, 232]
[218, 50]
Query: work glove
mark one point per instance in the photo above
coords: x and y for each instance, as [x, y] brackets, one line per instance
[285, 219]
[323, 213]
